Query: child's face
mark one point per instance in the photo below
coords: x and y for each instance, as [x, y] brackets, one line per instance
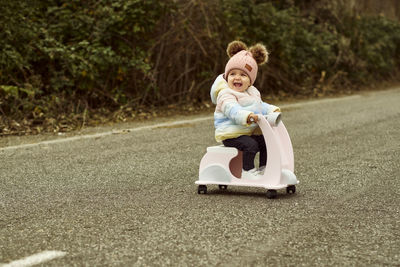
[238, 80]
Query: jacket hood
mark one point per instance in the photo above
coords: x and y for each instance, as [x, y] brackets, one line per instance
[219, 84]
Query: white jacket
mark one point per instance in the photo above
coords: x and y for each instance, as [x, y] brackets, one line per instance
[233, 108]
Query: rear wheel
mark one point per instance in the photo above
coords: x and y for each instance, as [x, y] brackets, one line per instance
[202, 189]
[271, 194]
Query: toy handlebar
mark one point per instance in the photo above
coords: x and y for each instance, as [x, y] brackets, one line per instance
[273, 118]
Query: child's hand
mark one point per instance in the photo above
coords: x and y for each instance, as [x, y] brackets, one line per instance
[252, 118]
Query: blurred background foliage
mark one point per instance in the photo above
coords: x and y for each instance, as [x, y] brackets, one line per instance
[65, 64]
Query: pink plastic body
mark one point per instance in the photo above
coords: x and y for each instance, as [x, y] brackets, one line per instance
[223, 165]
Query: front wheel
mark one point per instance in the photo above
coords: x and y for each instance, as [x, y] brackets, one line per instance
[291, 189]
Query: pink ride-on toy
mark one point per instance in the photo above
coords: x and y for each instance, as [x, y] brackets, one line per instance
[222, 165]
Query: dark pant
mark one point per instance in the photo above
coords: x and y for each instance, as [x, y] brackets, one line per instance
[250, 145]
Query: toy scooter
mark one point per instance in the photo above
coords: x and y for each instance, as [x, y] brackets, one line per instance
[222, 165]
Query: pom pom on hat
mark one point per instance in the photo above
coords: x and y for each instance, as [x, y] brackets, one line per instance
[259, 53]
[235, 47]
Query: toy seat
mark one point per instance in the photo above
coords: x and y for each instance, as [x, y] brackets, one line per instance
[229, 157]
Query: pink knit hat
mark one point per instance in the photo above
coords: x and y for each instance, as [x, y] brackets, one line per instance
[245, 60]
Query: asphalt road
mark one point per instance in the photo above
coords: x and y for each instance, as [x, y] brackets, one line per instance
[129, 199]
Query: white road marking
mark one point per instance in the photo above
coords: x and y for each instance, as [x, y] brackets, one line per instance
[35, 259]
[87, 136]
[166, 124]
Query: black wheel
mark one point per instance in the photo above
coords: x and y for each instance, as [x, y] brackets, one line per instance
[291, 189]
[202, 189]
[223, 186]
[271, 193]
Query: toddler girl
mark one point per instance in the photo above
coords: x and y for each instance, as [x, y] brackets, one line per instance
[237, 104]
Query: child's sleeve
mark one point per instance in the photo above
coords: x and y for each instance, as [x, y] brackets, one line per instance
[268, 108]
[265, 107]
[228, 104]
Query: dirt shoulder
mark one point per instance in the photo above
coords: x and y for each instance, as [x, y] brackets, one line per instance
[161, 115]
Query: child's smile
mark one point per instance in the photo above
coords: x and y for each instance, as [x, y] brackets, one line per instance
[237, 84]
[238, 80]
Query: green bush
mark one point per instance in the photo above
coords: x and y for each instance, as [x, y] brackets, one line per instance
[85, 51]
[64, 62]
[300, 49]
[376, 46]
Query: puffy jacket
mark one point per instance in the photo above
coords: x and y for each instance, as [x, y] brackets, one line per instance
[233, 108]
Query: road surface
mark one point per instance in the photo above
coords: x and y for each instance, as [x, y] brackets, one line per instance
[129, 198]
